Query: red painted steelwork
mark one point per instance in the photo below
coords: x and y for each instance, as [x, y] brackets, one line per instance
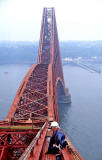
[32, 102]
[25, 132]
[36, 145]
[15, 141]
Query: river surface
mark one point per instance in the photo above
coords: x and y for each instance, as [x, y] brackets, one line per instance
[82, 120]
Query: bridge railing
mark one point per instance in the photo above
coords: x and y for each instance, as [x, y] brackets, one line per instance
[29, 152]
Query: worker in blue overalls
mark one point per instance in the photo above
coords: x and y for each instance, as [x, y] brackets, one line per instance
[57, 139]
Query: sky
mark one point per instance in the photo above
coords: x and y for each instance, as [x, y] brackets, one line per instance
[20, 20]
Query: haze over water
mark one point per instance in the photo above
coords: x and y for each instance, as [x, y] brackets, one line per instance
[81, 120]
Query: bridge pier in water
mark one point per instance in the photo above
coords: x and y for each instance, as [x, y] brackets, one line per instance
[62, 96]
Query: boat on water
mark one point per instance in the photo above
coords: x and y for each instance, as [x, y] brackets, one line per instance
[5, 72]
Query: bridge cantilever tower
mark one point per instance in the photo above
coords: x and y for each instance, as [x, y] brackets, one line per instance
[49, 50]
[24, 132]
[49, 53]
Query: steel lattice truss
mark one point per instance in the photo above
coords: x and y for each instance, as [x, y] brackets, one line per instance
[45, 40]
[33, 102]
[24, 131]
[13, 142]
[32, 106]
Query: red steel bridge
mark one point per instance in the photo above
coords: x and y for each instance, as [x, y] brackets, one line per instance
[25, 132]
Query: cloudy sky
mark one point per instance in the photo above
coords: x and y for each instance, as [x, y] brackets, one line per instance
[76, 19]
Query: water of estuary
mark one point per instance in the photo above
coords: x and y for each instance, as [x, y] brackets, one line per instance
[82, 120]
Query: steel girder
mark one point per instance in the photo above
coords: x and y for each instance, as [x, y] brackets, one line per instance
[33, 102]
[13, 142]
[30, 114]
[45, 37]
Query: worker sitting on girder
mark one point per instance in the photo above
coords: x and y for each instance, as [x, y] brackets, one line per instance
[57, 140]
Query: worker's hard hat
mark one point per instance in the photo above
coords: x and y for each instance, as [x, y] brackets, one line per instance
[54, 124]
